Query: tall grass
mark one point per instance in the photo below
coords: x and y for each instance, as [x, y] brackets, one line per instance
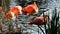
[52, 28]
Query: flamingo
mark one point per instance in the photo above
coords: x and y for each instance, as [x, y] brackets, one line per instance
[14, 11]
[30, 9]
[39, 21]
[0, 9]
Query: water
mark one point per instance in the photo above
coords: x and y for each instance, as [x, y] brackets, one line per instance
[34, 30]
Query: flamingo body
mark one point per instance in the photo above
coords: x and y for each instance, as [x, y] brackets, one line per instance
[0, 9]
[37, 21]
[10, 15]
[30, 8]
[17, 10]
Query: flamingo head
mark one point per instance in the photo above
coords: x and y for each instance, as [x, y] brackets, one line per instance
[46, 18]
[35, 7]
[20, 9]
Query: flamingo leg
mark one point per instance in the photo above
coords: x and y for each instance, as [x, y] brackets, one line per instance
[38, 29]
[27, 14]
[16, 21]
[41, 30]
